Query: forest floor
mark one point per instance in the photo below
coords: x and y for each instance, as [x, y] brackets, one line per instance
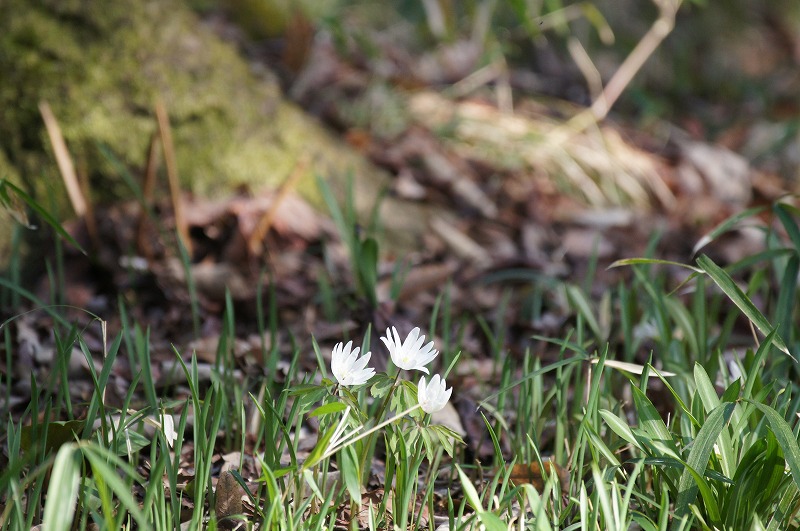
[520, 206]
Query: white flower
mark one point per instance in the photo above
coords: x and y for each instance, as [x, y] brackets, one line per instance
[410, 354]
[347, 368]
[168, 426]
[434, 396]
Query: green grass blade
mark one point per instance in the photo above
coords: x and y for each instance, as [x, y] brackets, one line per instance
[787, 297]
[784, 213]
[729, 287]
[638, 261]
[581, 305]
[469, 490]
[40, 210]
[619, 426]
[702, 447]
[755, 367]
[650, 421]
[785, 437]
[533, 374]
[711, 402]
[106, 465]
[786, 507]
[63, 491]
[724, 227]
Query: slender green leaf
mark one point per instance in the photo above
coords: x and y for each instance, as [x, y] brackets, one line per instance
[619, 426]
[650, 421]
[368, 268]
[327, 409]
[729, 287]
[707, 494]
[649, 261]
[724, 227]
[491, 521]
[702, 447]
[708, 395]
[785, 437]
[784, 213]
[683, 319]
[349, 466]
[532, 374]
[469, 490]
[787, 297]
[106, 465]
[62, 494]
[581, 305]
[538, 507]
[319, 450]
[601, 447]
[786, 507]
[41, 211]
[755, 366]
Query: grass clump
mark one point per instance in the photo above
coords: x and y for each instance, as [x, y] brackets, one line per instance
[700, 432]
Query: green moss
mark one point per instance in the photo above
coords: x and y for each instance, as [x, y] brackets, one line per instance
[102, 70]
[102, 66]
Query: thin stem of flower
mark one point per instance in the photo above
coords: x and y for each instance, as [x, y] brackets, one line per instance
[363, 458]
[337, 433]
[372, 430]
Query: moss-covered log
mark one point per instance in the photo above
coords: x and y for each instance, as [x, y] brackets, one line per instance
[102, 66]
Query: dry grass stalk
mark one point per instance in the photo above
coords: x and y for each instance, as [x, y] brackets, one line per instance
[602, 104]
[588, 160]
[595, 164]
[165, 133]
[66, 168]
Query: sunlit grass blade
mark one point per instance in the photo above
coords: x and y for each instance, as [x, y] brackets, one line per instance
[786, 439]
[581, 304]
[729, 287]
[63, 491]
[649, 261]
[711, 402]
[650, 421]
[620, 427]
[725, 226]
[106, 465]
[702, 446]
[39, 209]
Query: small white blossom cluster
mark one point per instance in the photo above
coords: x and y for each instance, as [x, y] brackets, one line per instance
[411, 354]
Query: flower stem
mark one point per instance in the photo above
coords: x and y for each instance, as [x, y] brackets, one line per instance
[372, 430]
[363, 459]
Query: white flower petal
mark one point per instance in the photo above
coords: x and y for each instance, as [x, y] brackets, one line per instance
[168, 426]
[409, 354]
[433, 396]
[347, 367]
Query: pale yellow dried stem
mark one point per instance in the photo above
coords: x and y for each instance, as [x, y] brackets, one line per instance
[660, 29]
[172, 175]
[63, 159]
[633, 63]
[66, 168]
